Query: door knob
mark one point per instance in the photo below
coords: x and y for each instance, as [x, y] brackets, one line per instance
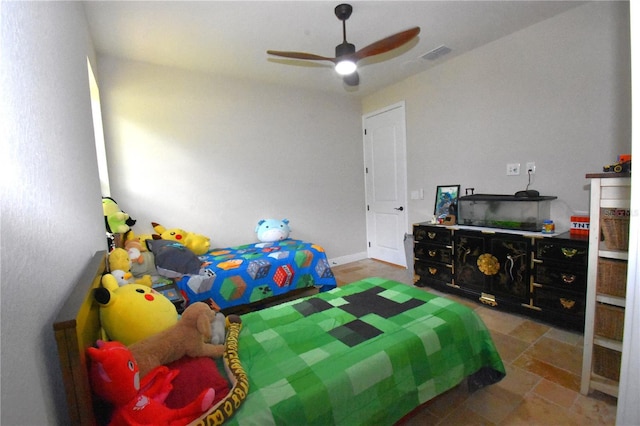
[399, 208]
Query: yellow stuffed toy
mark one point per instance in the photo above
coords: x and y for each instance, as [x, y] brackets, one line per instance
[199, 244]
[133, 312]
[142, 260]
[119, 261]
[133, 238]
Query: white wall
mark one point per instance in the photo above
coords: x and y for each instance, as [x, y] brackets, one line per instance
[215, 155]
[51, 221]
[556, 93]
[628, 408]
[51, 218]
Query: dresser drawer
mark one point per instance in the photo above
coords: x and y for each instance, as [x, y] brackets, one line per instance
[566, 278]
[431, 271]
[432, 253]
[548, 249]
[434, 234]
[566, 302]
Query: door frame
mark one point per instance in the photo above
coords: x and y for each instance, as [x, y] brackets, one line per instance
[402, 106]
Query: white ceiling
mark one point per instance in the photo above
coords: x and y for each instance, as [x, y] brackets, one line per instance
[231, 37]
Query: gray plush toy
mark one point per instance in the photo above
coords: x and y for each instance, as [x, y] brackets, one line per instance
[218, 329]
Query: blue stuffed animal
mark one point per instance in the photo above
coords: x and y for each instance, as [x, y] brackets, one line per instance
[270, 230]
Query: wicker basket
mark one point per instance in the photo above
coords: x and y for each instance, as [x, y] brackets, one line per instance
[612, 277]
[606, 362]
[615, 228]
[609, 321]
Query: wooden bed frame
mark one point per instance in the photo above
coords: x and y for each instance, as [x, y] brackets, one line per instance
[76, 328]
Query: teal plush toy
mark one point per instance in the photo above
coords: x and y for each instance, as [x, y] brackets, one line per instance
[271, 230]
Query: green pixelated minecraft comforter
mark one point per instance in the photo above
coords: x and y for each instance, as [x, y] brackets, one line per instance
[365, 353]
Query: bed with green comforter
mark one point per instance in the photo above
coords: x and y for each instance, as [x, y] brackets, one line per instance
[365, 353]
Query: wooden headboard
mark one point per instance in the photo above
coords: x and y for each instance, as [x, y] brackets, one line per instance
[76, 328]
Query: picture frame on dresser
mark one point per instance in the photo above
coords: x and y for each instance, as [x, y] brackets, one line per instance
[446, 201]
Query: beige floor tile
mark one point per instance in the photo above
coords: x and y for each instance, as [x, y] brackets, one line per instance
[493, 403]
[598, 408]
[548, 371]
[499, 321]
[518, 381]
[508, 347]
[448, 402]
[529, 331]
[535, 410]
[465, 416]
[560, 354]
[569, 337]
[556, 393]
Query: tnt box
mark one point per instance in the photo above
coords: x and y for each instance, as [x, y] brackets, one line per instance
[579, 225]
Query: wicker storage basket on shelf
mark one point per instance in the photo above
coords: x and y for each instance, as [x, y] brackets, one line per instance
[606, 362]
[612, 277]
[614, 224]
[609, 321]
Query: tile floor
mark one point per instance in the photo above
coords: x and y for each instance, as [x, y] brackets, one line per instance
[543, 366]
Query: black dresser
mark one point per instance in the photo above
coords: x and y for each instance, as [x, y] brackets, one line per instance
[543, 276]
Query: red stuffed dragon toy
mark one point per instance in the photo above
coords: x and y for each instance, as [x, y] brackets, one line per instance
[115, 377]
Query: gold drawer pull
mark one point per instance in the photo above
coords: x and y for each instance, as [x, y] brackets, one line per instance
[566, 303]
[569, 252]
[488, 299]
[431, 235]
[433, 270]
[433, 253]
[568, 278]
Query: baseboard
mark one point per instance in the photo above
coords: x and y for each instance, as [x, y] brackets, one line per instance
[347, 259]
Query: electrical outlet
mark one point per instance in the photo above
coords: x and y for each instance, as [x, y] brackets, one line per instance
[513, 169]
[531, 167]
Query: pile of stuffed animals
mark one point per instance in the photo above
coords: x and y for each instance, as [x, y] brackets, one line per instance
[157, 366]
[135, 372]
[166, 378]
[148, 259]
[159, 370]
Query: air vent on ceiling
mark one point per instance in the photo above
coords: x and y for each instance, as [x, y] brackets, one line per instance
[434, 54]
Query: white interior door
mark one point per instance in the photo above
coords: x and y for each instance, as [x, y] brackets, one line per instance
[386, 183]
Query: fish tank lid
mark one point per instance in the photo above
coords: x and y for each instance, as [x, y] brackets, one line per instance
[499, 197]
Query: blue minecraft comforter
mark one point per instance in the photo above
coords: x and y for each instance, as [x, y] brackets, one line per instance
[253, 272]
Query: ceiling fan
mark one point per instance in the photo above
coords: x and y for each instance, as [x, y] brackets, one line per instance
[346, 55]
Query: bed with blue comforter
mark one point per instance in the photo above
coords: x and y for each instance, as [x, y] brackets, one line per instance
[249, 273]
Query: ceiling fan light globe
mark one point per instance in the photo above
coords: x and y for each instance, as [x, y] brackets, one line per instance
[346, 67]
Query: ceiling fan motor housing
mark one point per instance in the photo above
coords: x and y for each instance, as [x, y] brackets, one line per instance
[345, 48]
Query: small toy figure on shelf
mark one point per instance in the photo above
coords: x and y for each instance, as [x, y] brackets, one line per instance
[623, 165]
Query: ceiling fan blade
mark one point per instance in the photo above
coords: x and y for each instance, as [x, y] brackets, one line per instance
[300, 55]
[352, 79]
[388, 43]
